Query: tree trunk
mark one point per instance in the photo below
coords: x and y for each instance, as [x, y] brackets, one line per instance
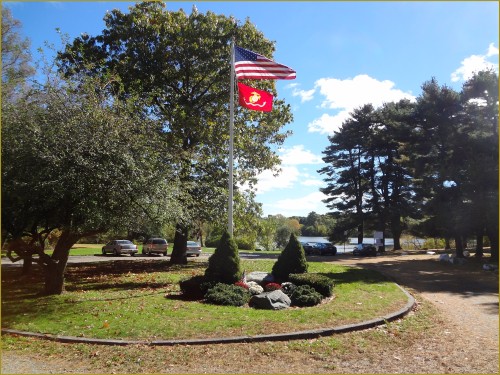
[493, 236]
[396, 230]
[360, 233]
[56, 264]
[479, 244]
[27, 264]
[459, 244]
[180, 242]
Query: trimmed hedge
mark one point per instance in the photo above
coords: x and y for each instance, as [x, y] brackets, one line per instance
[227, 295]
[322, 284]
[305, 295]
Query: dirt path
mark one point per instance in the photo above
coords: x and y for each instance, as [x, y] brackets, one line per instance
[467, 294]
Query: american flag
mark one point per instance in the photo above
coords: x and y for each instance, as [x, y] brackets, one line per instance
[251, 65]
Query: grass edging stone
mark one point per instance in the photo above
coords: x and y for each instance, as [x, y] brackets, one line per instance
[300, 335]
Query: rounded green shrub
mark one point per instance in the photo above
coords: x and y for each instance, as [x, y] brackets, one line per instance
[227, 295]
[288, 288]
[305, 295]
[291, 260]
[224, 264]
[191, 287]
[321, 283]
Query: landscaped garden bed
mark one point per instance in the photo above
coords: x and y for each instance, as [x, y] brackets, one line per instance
[142, 300]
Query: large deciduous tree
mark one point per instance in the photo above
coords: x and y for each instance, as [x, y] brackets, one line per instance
[177, 68]
[16, 58]
[80, 161]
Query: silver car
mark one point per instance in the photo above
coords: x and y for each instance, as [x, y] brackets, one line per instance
[193, 248]
[117, 247]
[155, 245]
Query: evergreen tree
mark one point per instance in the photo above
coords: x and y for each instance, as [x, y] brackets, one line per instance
[479, 132]
[347, 169]
[291, 260]
[224, 264]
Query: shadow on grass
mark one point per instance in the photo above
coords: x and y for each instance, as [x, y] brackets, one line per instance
[431, 275]
[184, 297]
[355, 275]
[18, 287]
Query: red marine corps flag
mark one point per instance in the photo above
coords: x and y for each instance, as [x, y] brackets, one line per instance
[257, 100]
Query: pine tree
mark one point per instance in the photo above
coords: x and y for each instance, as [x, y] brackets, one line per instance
[291, 260]
[224, 264]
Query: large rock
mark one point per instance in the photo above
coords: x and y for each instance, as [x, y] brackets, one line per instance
[275, 300]
[260, 278]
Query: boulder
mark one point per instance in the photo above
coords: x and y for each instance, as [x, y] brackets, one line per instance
[275, 300]
[260, 278]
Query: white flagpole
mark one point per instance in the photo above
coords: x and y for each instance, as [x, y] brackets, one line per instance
[231, 135]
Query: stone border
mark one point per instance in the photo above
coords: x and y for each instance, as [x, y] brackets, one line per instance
[300, 335]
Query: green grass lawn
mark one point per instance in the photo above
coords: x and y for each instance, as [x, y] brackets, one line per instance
[142, 300]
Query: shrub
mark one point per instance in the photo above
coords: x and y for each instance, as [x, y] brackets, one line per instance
[305, 295]
[191, 287]
[245, 243]
[288, 288]
[224, 264]
[322, 284]
[291, 260]
[269, 287]
[227, 295]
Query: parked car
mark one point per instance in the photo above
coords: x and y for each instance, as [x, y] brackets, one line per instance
[364, 249]
[117, 247]
[308, 247]
[193, 248]
[325, 248]
[155, 245]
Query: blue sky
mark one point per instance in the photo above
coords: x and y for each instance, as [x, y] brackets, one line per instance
[346, 54]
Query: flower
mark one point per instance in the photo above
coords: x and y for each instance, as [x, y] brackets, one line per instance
[241, 284]
[269, 287]
[254, 288]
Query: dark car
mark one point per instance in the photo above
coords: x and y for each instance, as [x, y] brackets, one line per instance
[308, 247]
[325, 248]
[364, 249]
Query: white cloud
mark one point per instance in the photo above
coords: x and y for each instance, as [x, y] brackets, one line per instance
[297, 155]
[362, 89]
[299, 206]
[305, 95]
[475, 63]
[492, 50]
[327, 124]
[289, 174]
[346, 95]
[312, 182]
[266, 181]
